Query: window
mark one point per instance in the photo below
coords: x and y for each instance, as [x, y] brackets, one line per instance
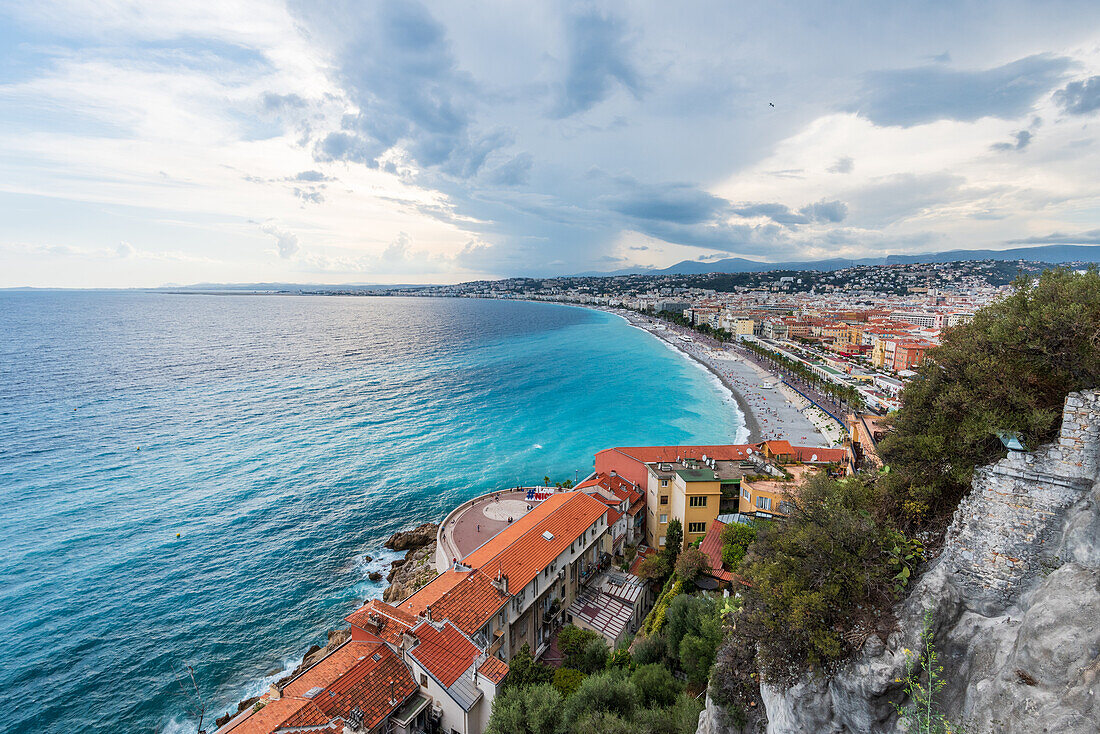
[764, 503]
[661, 540]
[664, 482]
[423, 680]
[698, 501]
[664, 518]
[745, 493]
[697, 527]
[664, 499]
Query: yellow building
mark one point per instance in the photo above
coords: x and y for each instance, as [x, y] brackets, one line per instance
[745, 327]
[688, 490]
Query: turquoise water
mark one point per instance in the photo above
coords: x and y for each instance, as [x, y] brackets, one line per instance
[283, 439]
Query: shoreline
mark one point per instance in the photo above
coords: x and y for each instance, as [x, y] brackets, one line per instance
[791, 422]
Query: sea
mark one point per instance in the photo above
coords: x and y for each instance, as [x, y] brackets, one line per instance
[204, 482]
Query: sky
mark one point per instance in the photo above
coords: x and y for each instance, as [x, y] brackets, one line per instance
[145, 144]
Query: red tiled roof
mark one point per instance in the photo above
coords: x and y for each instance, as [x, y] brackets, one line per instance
[636, 509]
[641, 557]
[494, 669]
[613, 516]
[445, 653]
[712, 549]
[430, 592]
[469, 604]
[521, 550]
[357, 675]
[392, 622]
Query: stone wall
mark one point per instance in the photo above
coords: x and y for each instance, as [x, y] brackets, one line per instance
[1000, 535]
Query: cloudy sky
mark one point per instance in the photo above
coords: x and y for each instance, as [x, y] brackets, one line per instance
[360, 142]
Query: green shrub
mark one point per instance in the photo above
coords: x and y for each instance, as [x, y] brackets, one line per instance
[650, 650]
[692, 564]
[572, 641]
[736, 539]
[609, 692]
[656, 685]
[532, 709]
[619, 659]
[594, 656]
[524, 670]
[566, 681]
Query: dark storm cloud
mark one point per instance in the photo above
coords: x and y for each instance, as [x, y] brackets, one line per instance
[598, 57]
[396, 63]
[1080, 97]
[907, 97]
[680, 203]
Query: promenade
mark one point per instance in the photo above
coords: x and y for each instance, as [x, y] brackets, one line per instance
[771, 410]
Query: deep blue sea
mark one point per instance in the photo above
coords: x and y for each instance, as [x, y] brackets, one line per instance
[283, 438]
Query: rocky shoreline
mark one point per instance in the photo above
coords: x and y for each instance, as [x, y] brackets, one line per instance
[406, 575]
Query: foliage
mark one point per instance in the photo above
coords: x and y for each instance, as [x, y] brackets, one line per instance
[655, 620]
[810, 576]
[594, 656]
[654, 568]
[524, 670]
[620, 659]
[573, 641]
[650, 650]
[694, 632]
[692, 564]
[1009, 369]
[682, 717]
[674, 541]
[736, 539]
[923, 680]
[566, 681]
[532, 709]
[656, 685]
[609, 691]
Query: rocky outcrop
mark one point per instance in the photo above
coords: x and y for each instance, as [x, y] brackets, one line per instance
[1015, 599]
[413, 539]
[409, 574]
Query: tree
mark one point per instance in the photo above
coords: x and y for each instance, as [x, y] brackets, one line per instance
[1010, 369]
[736, 539]
[526, 710]
[813, 578]
[609, 692]
[524, 670]
[619, 658]
[656, 685]
[674, 541]
[594, 656]
[573, 641]
[566, 681]
[654, 568]
[692, 564]
[694, 633]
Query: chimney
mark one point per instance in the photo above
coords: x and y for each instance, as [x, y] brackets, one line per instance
[428, 612]
[613, 473]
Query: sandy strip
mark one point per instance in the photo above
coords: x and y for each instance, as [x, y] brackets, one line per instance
[770, 413]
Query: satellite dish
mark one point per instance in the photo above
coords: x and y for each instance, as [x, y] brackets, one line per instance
[749, 451]
[813, 459]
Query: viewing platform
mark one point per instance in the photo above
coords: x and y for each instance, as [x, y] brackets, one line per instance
[476, 521]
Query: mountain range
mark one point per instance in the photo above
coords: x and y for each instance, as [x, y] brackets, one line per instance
[1053, 254]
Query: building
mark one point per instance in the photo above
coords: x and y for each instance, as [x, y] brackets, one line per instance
[626, 509]
[692, 483]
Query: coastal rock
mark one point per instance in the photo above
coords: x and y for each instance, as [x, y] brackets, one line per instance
[410, 574]
[412, 539]
[375, 576]
[1014, 596]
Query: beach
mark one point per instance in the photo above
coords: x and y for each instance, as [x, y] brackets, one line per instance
[771, 410]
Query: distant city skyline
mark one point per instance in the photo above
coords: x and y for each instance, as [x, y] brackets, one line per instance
[143, 144]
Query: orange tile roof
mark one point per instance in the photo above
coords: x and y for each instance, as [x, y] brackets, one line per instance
[712, 549]
[445, 652]
[367, 676]
[613, 516]
[468, 605]
[521, 551]
[430, 592]
[494, 669]
[391, 621]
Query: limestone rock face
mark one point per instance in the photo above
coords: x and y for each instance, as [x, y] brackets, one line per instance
[412, 539]
[1015, 597]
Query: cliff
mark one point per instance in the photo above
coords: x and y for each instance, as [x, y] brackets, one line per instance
[1015, 598]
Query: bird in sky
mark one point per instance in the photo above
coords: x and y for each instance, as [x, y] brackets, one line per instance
[771, 104]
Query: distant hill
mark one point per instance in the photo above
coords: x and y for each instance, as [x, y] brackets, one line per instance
[1047, 254]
